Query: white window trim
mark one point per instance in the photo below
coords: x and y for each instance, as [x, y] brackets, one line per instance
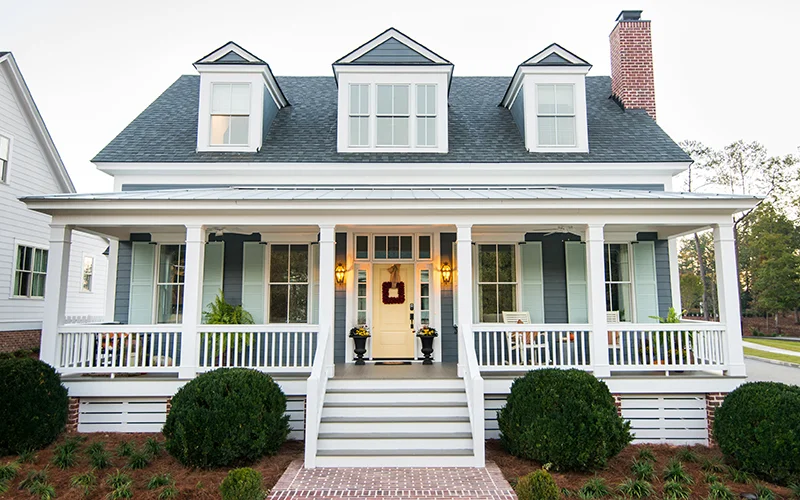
[531, 78]
[268, 283]
[258, 92]
[211, 114]
[393, 115]
[366, 115]
[632, 282]
[476, 312]
[81, 289]
[10, 138]
[24, 243]
[426, 115]
[156, 283]
[557, 115]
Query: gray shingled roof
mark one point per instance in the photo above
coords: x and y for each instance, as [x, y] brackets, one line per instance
[479, 130]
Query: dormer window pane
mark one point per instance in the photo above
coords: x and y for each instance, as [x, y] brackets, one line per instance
[230, 114]
[555, 114]
[426, 115]
[392, 115]
[359, 115]
[565, 103]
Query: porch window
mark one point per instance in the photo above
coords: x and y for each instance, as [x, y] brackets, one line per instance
[393, 115]
[4, 147]
[618, 280]
[555, 114]
[288, 284]
[497, 281]
[394, 247]
[87, 274]
[230, 114]
[171, 267]
[30, 272]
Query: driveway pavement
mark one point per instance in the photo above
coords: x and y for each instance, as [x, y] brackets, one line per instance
[760, 371]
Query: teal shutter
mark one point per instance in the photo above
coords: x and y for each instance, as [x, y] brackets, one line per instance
[253, 280]
[644, 281]
[213, 262]
[143, 263]
[532, 281]
[315, 298]
[577, 298]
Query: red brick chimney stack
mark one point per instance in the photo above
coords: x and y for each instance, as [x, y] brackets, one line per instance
[632, 81]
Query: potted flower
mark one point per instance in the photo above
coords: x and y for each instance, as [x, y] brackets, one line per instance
[426, 335]
[360, 334]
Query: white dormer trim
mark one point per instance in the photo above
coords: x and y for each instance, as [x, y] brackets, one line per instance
[216, 55]
[400, 37]
[558, 50]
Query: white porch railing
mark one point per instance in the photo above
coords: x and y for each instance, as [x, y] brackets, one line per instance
[262, 347]
[473, 384]
[514, 347]
[666, 347]
[118, 348]
[315, 395]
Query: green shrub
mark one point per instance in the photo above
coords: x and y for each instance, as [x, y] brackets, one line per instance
[44, 491]
[753, 422]
[674, 490]
[538, 485]
[124, 449]
[168, 492]
[675, 471]
[27, 456]
[242, 484]
[646, 454]
[226, 416]
[739, 476]
[85, 482]
[643, 470]
[65, 456]
[9, 471]
[118, 479]
[153, 447]
[718, 491]
[138, 460]
[159, 480]
[686, 455]
[33, 404]
[595, 487]
[636, 488]
[563, 417]
[713, 465]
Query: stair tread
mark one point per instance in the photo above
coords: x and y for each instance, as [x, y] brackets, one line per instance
[395, 404]
[395, 435]
[394, 419]
[394, 453]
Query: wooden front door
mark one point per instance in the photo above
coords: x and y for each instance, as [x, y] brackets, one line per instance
[392, 330]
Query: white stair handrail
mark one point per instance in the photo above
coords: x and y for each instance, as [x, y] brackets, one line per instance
[315, 396]
[475, 394]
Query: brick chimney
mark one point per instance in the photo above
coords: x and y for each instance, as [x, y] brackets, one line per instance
[632, 82]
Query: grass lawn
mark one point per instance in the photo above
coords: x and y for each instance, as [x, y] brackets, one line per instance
[749, 351]
[780, 344]
[702, 463]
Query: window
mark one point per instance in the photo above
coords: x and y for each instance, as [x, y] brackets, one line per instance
[426, 115]
[5, 144]
[394, 247]
[288, 284]
[555, 114]
[230, 114]
[424, 247]
[618, 279]
[30, 272]
[359, 115]
[169, 286]
[497, 281]
[362, 297]
[393, 115]
[424, 297]
[88, 273]
[362, 247]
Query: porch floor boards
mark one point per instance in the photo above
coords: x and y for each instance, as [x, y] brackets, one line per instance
[347, 371]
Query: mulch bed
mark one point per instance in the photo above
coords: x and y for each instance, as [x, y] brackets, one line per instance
[192, 483]
[618, 469]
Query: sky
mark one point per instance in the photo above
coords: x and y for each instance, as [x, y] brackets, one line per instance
[725, 70]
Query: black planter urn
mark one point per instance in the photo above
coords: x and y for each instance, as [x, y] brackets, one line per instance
[361, 348]
[427, 348]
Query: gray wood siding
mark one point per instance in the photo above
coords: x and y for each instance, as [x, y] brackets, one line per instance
[392, 52]
[554, 274]
[518, 112]
[123, 295]
[232, 265]
[270, 111]
[663, 281]
[340, 305]
[448, 332]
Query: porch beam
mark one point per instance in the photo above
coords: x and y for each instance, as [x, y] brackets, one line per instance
[327, 287]
[464, 283]
[596, 294]
[55, 291]
[192, 298]
[728, 291]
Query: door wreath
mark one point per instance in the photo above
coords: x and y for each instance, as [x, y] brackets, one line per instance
[401, 293]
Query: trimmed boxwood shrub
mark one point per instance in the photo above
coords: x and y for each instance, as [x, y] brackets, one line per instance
[758, 429]
[563, 417]
[33, 405]
[242, 484]
[538, 485]
[226, 416]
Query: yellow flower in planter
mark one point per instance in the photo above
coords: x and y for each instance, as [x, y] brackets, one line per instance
[359, 331]
[427, 331]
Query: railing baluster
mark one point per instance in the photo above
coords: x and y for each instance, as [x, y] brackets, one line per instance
[272, 349]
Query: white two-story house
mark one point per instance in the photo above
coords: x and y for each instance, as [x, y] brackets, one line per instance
[530, 219]
[31, 165]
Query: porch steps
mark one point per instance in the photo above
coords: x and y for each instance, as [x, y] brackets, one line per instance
[395, 423]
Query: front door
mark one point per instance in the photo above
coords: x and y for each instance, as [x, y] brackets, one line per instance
[392, 327]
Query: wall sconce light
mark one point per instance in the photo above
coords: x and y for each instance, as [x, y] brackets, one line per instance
[339, 272]
[447, 273]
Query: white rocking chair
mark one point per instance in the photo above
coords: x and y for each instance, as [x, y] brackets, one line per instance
[521, 342]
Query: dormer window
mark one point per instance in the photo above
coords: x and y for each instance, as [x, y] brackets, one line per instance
[392, 115]
[426, 115]
[555, 105]
[230, 114]
[359, 115]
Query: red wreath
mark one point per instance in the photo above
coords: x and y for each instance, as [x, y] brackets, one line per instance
[401, 293]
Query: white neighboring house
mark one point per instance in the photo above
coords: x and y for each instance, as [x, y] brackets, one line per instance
[531, 219]
[30, 165]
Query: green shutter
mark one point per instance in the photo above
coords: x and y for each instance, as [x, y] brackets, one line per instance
[143, 262]
[532, 282]
[253, 280]
[644, 281]
[315, 298]
[577, 298]
[213, 262]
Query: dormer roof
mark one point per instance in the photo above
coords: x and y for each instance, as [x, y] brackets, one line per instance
[552, 59]
[231, 53]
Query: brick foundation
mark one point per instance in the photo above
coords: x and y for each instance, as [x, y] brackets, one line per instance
[73, 410]
[169, 406]
[20, 340]
[618, 403]
[713, 401]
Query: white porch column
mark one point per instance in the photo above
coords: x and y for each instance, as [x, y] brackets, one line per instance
[464, 282]
[675, 275]
[111, 278]
[596, 294]
[327, 286]
[728, 291]
[192, 299]
[55, 291]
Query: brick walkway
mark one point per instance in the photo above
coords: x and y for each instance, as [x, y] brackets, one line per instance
[435, 483]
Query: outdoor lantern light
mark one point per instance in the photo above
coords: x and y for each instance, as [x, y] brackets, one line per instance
[447, 273]
[339, 272]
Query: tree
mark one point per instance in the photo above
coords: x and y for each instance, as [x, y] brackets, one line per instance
[691, 291]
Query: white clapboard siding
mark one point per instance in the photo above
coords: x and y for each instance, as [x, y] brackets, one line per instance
[296, 409]
[87, 306]
[492, 403]
[676, 420]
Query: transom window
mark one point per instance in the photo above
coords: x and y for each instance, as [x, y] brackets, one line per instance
[394, 247]
[497, 281]
[618, 280]
[5, 144]
[30, 272]
[359, 115]
[87, 274]
[171, 268]
[230, 114]
[288, 284]
[555, 114]
[426, 115]
[392, 115]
